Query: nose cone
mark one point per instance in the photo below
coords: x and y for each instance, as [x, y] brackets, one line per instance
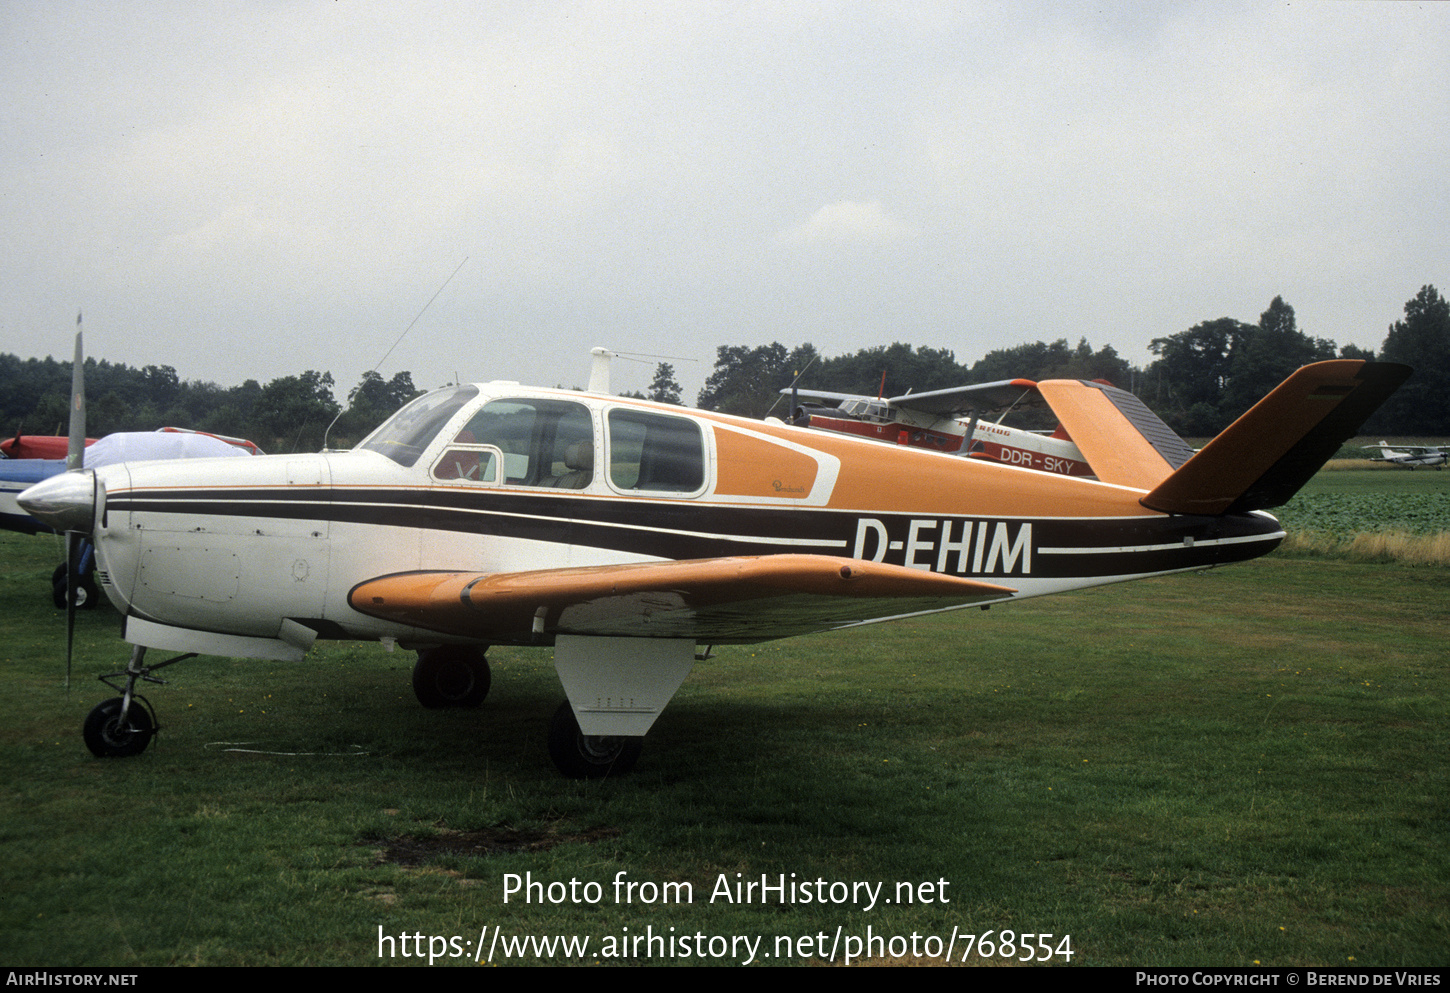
[66, 502]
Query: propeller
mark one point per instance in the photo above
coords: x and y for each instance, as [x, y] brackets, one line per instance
[75, 454]
[790, 418]
[68, 501]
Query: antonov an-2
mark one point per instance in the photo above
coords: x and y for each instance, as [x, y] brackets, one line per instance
[626, 534]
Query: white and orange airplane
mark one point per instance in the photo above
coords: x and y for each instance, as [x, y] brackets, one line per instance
[627, 534]
[949, 420]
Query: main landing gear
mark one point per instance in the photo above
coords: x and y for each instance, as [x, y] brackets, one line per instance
[585, 756]
[458, 676]
[123, 726]
[451, 676]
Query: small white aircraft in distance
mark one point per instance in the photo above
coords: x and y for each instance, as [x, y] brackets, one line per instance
[1413, 455]
[626, 534]
[949, 420]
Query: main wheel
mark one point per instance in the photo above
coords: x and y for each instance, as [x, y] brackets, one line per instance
[107, 737]
[583, 756]
[87, 595]
[451, 676]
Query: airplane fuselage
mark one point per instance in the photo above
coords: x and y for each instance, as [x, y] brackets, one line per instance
[1405, 458]
[990, 441]
[268, 550]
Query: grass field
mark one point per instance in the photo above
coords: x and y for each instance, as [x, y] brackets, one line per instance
[1237, 767]
[1387, 514]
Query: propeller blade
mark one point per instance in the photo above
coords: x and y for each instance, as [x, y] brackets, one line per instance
[72, 581]
[74, 459]
[76, 447]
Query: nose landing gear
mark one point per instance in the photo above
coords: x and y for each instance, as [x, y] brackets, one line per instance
[113, 730]
[123, 726]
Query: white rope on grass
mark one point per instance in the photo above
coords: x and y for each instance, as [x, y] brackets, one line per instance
[235, 747]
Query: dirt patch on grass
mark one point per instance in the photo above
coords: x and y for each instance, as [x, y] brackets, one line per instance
[413, 851]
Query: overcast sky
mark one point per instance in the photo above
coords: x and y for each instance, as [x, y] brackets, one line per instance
[249, 190]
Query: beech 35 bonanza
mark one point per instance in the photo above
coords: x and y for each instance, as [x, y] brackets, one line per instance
[949, 420]
[625, 534]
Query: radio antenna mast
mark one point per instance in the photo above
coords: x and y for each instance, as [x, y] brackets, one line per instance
[375, 368]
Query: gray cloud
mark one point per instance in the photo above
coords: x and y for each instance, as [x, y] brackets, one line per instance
[244, 191]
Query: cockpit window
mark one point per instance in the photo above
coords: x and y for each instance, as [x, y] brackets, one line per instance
[544, 442]
[405, 435]
[868, 410]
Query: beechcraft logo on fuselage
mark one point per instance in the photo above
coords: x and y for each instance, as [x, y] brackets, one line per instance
[947, 545]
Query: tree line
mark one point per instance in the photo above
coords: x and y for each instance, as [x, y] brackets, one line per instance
[287, 414]
[1200, 380]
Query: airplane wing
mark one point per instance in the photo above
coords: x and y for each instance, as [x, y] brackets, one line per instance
[735, 600]
[16, 476]
[981, 397]
[823, 395]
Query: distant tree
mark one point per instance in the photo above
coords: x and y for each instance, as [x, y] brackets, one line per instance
[1422, 341]
[663, 388]
[1263, 356]
[23, 382]
[748, 381]
[1084, 363]
[369, 403]
[890, 369]
[1186, 384]
[374, 393]
[1029, 360]
[1207, 376]
[292, 412]
[161, 385]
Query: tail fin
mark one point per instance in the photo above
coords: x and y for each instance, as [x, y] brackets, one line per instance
[1264, 457]
[1123, 441]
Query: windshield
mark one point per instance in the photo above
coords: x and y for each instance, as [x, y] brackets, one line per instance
[405, 435]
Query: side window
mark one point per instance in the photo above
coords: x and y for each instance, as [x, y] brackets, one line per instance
[472, 463]
[649, 451]
[538, 443]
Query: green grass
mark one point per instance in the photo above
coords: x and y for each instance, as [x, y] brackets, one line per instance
[1391, 515]
[1242, 766]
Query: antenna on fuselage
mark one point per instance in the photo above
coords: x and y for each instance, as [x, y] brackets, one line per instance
[599, 369]
[390, 350]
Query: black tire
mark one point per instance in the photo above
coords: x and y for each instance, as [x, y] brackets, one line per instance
[451, 676]
[581, 756]
[107, 738]
[87, 595]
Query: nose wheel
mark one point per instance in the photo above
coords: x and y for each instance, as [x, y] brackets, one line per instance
[123, 726]
[114, 731]
[86, 594]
